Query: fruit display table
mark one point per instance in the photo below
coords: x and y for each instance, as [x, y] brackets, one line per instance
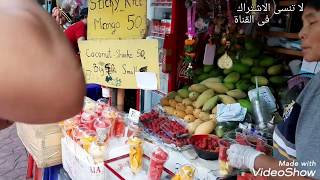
[76, 161]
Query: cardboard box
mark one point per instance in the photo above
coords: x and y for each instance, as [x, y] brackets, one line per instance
[42, 142]
[78, 163]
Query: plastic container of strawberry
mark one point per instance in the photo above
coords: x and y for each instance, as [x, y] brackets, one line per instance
[174, 130]
[167, 130]
[206, 146]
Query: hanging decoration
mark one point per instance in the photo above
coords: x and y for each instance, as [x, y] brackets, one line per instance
[189, 57]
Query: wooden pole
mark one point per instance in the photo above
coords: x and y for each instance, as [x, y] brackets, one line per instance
[120, 99]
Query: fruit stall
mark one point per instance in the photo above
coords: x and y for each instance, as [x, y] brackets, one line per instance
[233, 84]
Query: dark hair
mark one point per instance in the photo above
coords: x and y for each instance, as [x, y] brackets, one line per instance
[84, 13]
[315, 4]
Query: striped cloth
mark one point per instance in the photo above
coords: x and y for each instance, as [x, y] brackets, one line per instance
[284, 134]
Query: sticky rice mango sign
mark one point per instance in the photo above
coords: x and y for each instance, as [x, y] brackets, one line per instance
[117, 19]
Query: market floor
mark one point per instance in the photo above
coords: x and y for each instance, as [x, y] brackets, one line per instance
[13, 155]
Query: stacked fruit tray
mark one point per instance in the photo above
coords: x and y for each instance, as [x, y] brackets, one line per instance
[163, 129]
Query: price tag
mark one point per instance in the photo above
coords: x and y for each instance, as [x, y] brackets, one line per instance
[106, 92]
[134, 115]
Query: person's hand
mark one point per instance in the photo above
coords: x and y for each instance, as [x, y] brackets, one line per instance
[242, 157]
[58, 17]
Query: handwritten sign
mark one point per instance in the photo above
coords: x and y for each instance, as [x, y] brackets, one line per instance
[134, 115]
[114, 63]
[117, 19]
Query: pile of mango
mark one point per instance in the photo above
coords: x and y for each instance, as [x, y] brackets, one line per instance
[196, 104]
[243, 72]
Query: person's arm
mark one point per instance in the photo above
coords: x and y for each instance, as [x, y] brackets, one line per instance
[41, 82]
[245, 157]
[82, 38]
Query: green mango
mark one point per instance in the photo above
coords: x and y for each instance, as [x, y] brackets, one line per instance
[278, 80]
[241, 68]
[230, 86]
[184, 93]
[246, 76]
[207, 68]
[232, 77]
[262, 81]
[227, 71]
[194, 95]
[266, 61]
[223, 127]
[247, 61]
[246, 104]
[214, 73]
[210, 104]
[258, 71]
[197, 71]
[275, 70]
[203, 77]
[172, 95]
[252, 53]
[243, 85]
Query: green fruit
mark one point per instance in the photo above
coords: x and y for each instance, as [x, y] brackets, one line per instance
[178, 99]
[247, 61]
[214, 73]
[241, 68]
[227, 71]
[217, 87]
[249, 44]
[246, 76]
[232, 78]
[237, 93]
[210, 104]
[172, 95]
[251, 53]
[262, 81]
[203, 98]
[243, 85]
[258, 71]
[246, 104]
[223, 127]
[203, 77]
[195, 80]
[185, 87]
[278, 80]
[207, 68]
[213, 79]
[251, 87]
[197, 71]
[230, 86]
[194, 95]
[198, 88]
[184, 93]
[275, 70]
[266, 61]
[220, 130]
[225, 99]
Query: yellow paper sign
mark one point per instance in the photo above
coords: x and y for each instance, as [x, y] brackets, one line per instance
[117, 19]
[113, 63]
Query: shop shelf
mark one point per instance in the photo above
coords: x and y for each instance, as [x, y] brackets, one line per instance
[157, 34]
[280, 34]
[287, 2]
[284, 51]
[162, 5]
[157, 37]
